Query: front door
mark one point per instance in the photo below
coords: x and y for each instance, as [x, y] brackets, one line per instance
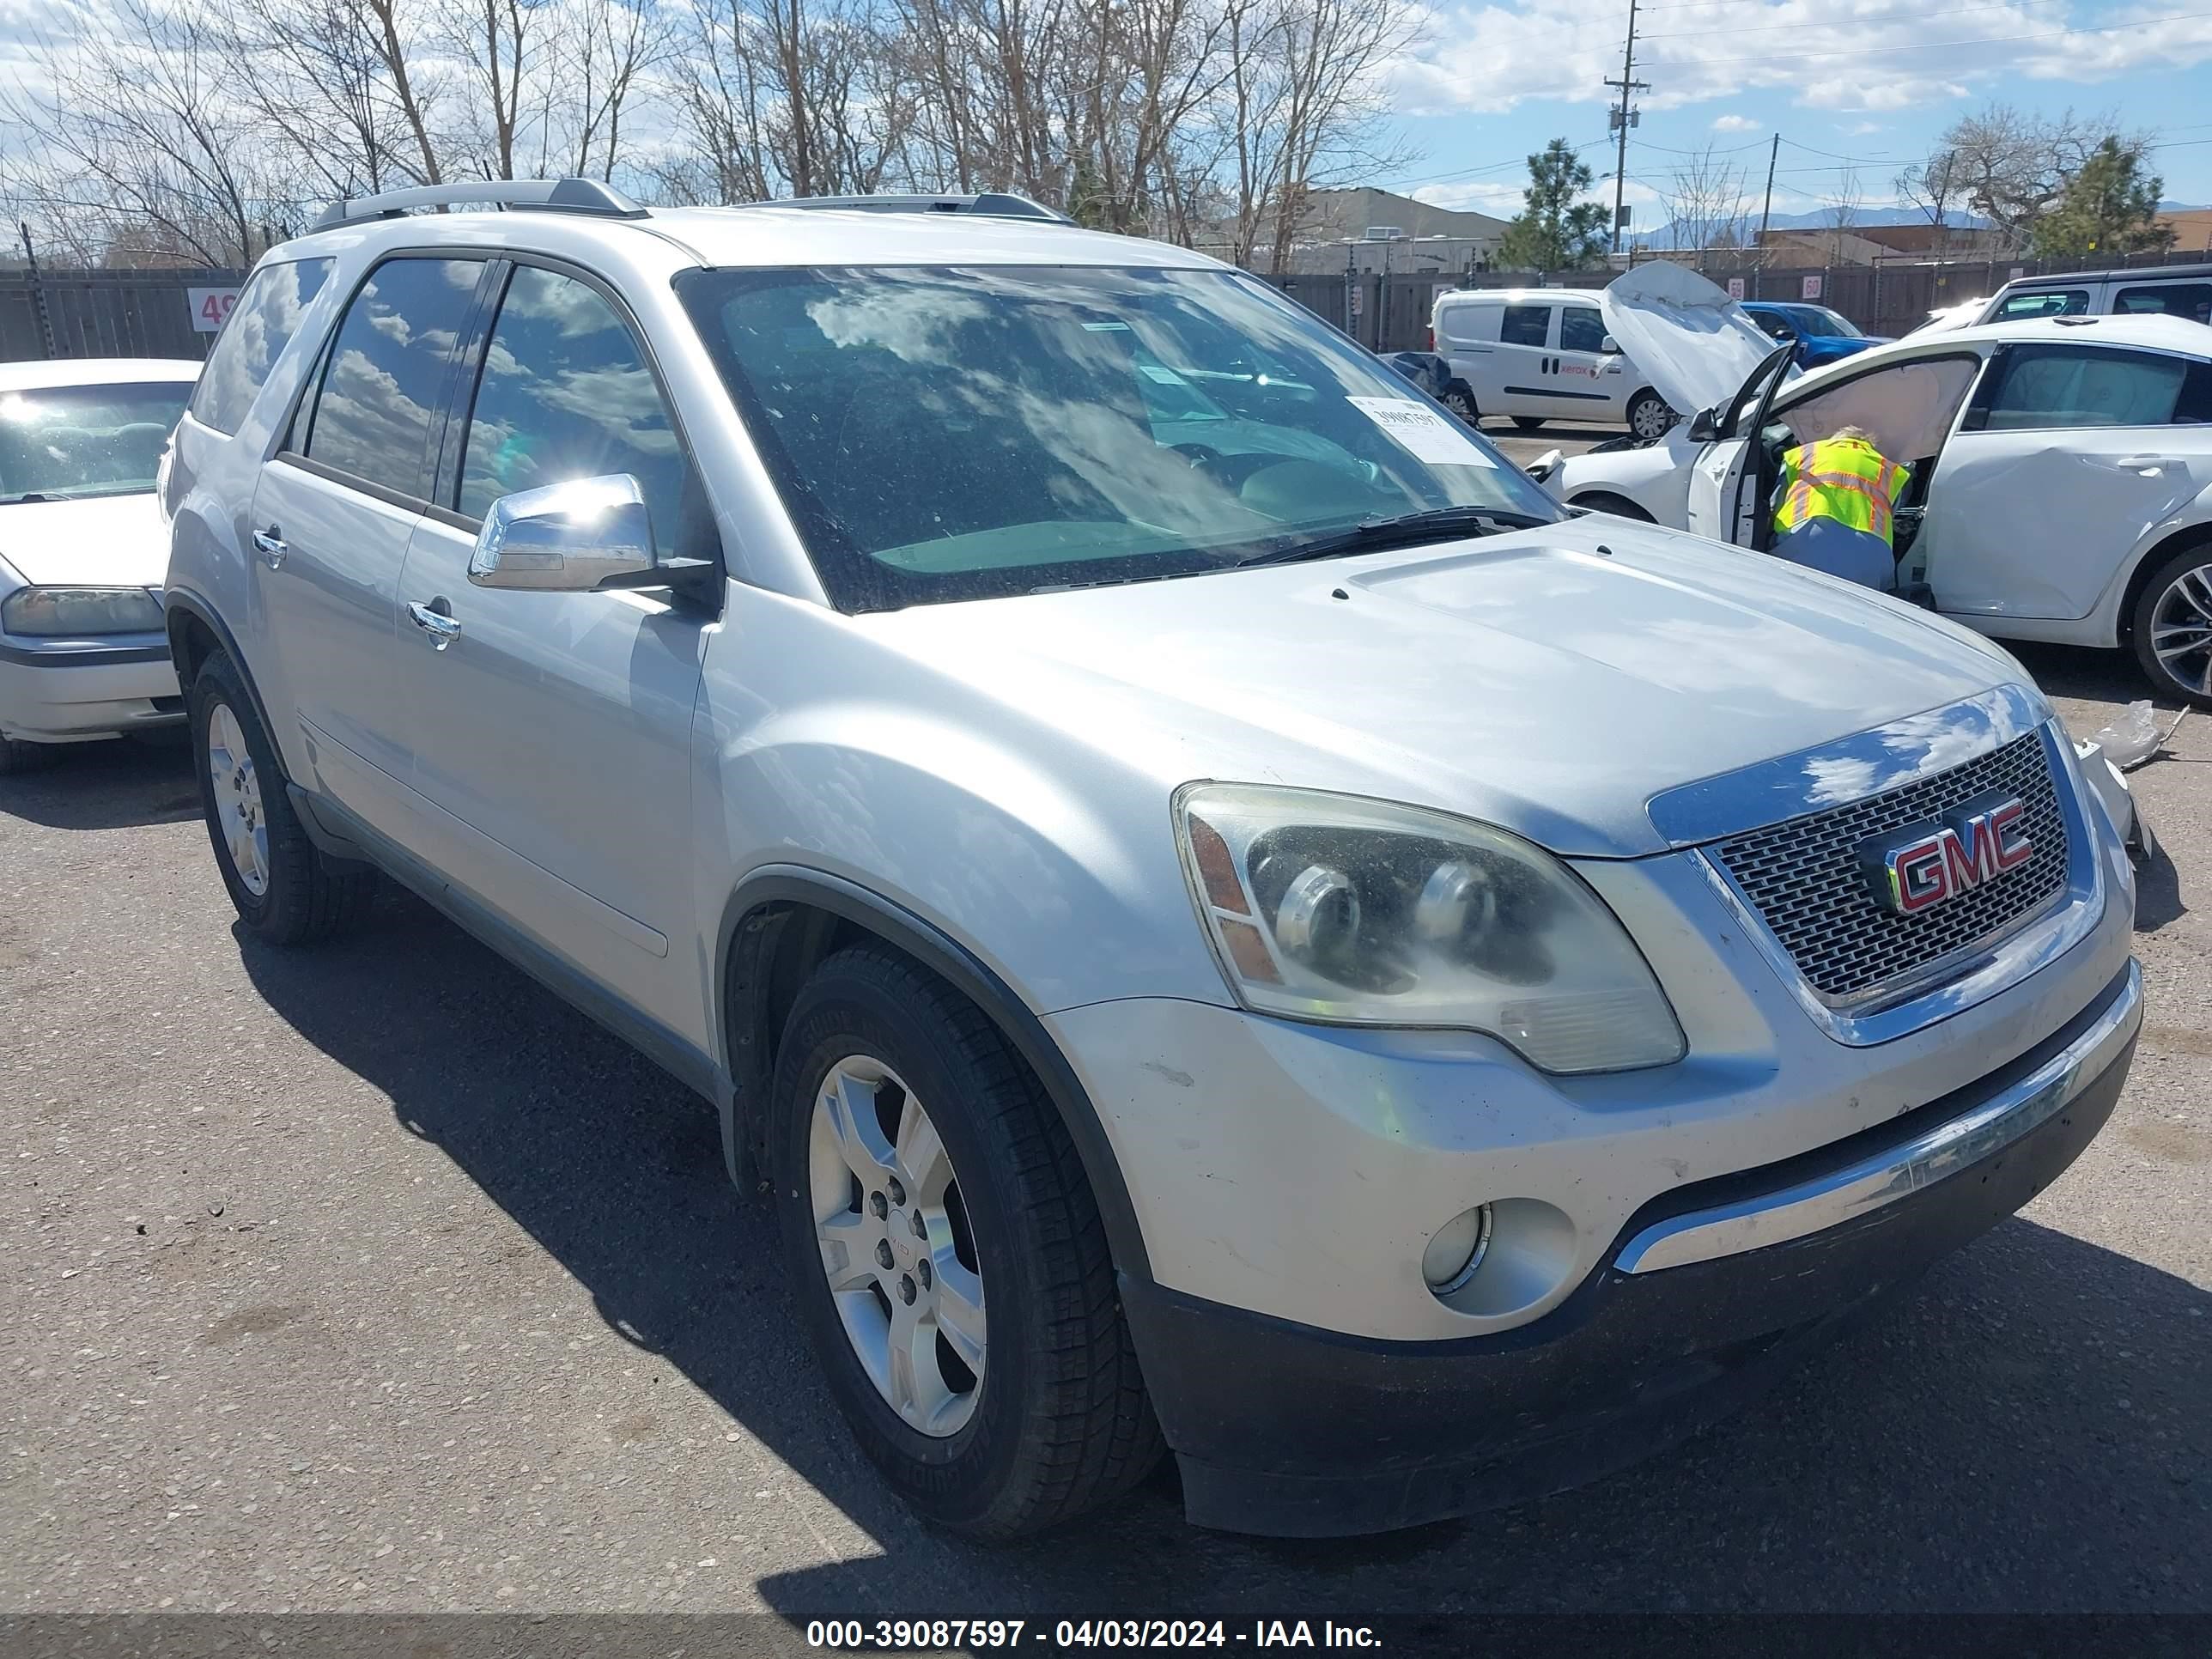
[2067, 456]
[1590, 382]
[333, 513]
[1723, 496]
[551, 731]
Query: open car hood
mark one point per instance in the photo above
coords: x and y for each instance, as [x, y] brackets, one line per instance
[1695, 345]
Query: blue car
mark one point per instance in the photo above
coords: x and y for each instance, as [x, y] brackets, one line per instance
[1821, 335]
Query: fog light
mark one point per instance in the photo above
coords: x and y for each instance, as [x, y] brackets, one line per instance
[1456, 1250]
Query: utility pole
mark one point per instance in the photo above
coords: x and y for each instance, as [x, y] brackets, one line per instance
[1767, 206]
[1623, 119]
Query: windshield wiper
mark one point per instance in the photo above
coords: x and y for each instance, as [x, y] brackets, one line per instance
[1431, 524]
[28, 496]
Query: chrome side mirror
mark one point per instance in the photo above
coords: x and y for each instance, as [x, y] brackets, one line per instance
[565, 538]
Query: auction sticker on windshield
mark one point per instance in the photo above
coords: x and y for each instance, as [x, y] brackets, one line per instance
[1426, 432]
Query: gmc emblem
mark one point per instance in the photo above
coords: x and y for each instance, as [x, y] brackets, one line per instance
[1916, 869]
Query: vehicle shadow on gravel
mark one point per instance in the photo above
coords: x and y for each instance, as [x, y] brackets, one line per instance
[2025, 1431]
[122, 785]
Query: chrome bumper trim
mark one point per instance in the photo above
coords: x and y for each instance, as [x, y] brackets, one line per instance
[1873, 1183]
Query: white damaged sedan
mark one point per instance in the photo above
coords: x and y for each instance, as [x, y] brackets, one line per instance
[83, 548]
[2061, 468]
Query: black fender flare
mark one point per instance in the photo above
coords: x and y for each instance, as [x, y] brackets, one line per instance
[958, 966]
[177, 604]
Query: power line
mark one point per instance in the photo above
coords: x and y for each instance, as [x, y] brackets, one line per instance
[1935, 45]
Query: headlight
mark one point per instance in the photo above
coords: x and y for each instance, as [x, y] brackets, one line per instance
[1334, 908]
[42, 612]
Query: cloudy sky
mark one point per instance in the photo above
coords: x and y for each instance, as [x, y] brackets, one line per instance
[1865, 85]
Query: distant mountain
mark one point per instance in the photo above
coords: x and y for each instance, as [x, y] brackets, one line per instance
[1824, 218]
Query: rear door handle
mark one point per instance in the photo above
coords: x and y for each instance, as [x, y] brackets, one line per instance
[442, 629]
[269, 544]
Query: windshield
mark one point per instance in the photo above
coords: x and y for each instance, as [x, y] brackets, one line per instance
[60, 443]
[944, 434]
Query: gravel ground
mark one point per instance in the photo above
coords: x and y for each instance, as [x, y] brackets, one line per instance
[372, 1278]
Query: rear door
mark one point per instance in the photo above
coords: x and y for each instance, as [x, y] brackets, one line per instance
[551, 733]
[2067, 456]
[333, 513]
[1466, 337]
[1526, 337]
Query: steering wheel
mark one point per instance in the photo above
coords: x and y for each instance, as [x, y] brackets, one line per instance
[1203, 458]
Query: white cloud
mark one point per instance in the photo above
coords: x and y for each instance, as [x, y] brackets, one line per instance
[1734, 124]
[1833, 54]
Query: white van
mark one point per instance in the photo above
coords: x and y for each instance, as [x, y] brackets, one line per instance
[1540, 354]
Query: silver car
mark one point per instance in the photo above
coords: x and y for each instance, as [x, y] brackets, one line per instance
[1229, 923]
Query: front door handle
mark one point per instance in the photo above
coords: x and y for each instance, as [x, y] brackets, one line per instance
[441, 628]
[269, 544]
[2146, 463]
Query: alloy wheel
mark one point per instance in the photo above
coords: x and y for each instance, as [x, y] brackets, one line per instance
[238, 799]
[2181, 629]
[898, 1250]
[1650, 418]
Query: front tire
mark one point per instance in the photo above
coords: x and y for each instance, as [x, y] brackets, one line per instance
[1530, 422]
[947, 1255]
[2172, 626]
[1649, 416]
[285, 891]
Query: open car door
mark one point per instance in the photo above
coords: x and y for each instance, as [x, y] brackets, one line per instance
[1724, 500]
[1701, 350]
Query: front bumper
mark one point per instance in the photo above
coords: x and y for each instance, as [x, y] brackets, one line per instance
[70, 691]
[1708, 1294]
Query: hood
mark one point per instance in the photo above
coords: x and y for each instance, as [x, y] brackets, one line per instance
[103, 541]
[1532, 681]
[1694, 344]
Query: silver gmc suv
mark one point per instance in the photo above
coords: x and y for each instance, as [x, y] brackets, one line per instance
[1227, 921]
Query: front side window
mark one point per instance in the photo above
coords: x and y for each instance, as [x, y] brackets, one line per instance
[1581, 328]
[260, 325]
[2043, 386]
[1528, 325]
[2044, 302]
[386, 371]
[565, 394]
[66, 442]
[2190, 300]
[943, 434]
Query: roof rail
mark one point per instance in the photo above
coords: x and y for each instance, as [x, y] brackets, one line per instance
[991, 205]
[552, 195]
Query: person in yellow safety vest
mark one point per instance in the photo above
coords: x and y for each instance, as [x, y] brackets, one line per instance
[1834, 509]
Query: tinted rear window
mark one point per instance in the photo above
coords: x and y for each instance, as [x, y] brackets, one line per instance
[261, 325]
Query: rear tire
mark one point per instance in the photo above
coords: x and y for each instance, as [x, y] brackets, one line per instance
[17, 757]
[1530, 422]
[2174, 613]
[1649, 416]
[283, 888]
[886, 1073]
[1461, 401]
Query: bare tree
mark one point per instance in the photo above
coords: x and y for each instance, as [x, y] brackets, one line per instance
[1933, 186]
[2012, 168]
[1846, 209]
[1709, 203]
